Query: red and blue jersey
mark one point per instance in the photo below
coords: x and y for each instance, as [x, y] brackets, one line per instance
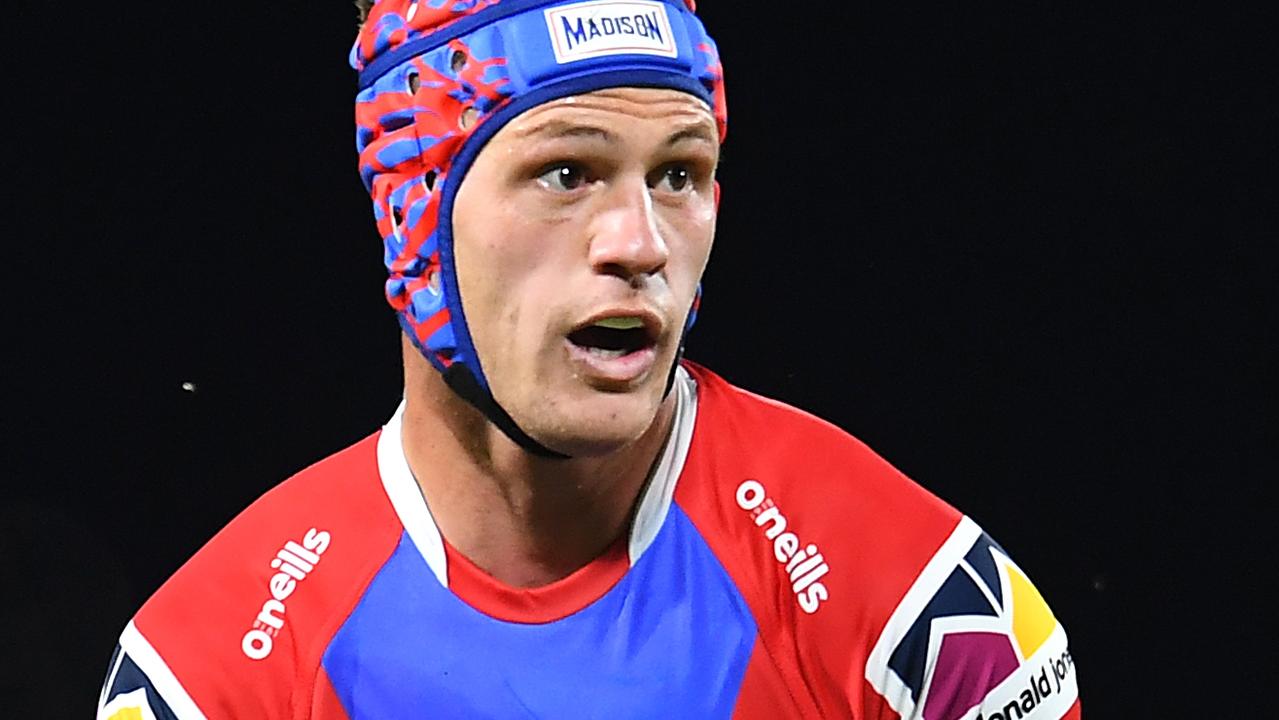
[776, 567]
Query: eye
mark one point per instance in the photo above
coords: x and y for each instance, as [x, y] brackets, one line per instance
[563, 177]
[674, 178]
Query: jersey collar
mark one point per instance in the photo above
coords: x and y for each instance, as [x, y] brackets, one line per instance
[563, 597]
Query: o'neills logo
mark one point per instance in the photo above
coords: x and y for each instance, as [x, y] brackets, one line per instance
[294, 562]
[805, 565]
[610, 27]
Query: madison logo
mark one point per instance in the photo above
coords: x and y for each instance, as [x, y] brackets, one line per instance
[973, 638]
[610, 27]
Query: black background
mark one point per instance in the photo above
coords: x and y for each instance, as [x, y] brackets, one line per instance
[1024, 252]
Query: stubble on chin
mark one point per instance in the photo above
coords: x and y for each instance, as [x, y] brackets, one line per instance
[592, 424]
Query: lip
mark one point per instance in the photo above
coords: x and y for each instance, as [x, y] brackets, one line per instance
[653, 325]
[614, 373]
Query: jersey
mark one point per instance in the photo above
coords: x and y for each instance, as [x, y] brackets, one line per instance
[775, 568]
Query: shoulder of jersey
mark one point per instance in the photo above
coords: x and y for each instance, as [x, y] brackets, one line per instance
[847, 565]
[822, 536]
[239, 630]
[757, 459]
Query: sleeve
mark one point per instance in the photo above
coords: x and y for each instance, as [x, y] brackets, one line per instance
[971, 639]
[874, 599]
[140, 686]
[239, 631]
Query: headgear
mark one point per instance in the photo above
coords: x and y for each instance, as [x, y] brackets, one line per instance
[439, 78]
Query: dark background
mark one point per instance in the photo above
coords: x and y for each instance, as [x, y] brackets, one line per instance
[1024, 252]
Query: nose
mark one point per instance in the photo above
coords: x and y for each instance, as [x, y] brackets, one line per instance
[625, 239]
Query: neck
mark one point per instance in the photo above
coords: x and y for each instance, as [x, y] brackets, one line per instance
[525, 520]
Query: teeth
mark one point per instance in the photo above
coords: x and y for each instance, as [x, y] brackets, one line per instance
[620, 323]
[606, 354]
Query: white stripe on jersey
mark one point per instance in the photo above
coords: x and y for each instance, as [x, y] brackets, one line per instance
[111, 673]
[930, 580]
[661, 488]
[163, 681]
[406, 497]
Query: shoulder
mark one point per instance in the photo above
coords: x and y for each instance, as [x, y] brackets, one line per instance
[239, 629]
[847, 564]
[782, 472]
[808, 455]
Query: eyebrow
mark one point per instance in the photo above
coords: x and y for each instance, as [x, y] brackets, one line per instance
[562, 129]
[693, 132]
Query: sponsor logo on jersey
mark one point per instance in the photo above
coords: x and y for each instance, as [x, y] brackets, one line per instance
[128, 693]
[978, 640]
[804, 564]
[128, 706]
[293, 563]
[1038, 689]
[610, 27]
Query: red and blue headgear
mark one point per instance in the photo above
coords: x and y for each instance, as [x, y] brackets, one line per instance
[425, 65]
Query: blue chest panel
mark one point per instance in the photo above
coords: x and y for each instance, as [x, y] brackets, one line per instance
[672, 638]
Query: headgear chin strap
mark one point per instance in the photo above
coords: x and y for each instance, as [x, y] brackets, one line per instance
[439, 78]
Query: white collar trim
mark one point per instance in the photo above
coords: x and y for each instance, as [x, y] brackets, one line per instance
[406, 497]
[656, 502]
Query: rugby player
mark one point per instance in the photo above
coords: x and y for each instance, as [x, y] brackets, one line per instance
[564, 518]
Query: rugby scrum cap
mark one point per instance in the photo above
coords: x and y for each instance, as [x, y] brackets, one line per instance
[439, 78]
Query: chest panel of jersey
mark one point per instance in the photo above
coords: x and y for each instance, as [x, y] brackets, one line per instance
[674, 632]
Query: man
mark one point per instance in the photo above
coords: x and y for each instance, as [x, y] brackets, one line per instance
[562, 519]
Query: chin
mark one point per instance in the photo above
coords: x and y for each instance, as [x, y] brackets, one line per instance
[593, 426]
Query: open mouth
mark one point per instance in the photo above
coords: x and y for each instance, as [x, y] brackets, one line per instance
[614, 337]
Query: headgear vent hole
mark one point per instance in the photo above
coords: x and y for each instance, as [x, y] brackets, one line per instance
[414, 82]
[468, 117]
[458, 61]
[397, 217]
[429, 180]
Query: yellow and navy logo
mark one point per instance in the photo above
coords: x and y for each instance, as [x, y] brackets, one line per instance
[128, 694]
[973, 637]
[128, 706]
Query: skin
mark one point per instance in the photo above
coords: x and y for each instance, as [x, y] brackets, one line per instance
[597, 203]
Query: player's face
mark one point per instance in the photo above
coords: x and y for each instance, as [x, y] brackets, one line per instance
[581, 233]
